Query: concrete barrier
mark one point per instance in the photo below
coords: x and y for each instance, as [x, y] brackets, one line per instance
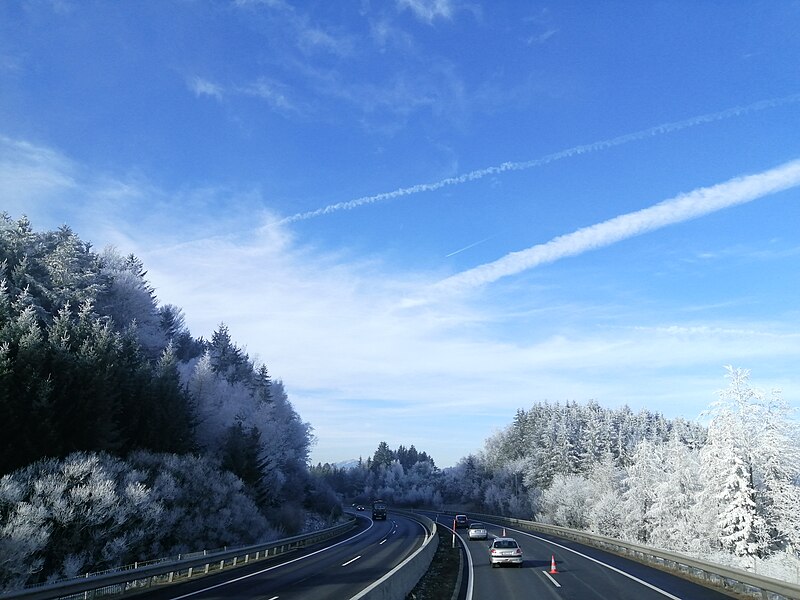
[398, 582]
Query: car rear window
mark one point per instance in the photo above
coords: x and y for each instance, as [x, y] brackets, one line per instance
[505, 544]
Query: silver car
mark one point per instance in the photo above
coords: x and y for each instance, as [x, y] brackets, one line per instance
[505, 550]
[477, 531]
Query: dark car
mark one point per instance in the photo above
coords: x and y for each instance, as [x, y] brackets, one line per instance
[461, 521]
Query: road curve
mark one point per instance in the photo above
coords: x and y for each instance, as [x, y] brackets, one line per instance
[583, 573]
[339, 568]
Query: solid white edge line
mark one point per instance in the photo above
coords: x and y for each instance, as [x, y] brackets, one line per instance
[600, 562]
[288, 562]
[470, 567]
[374, 584]
[550, 577]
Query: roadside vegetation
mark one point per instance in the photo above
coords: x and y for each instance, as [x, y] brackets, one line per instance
[726, 490]
[123, 437]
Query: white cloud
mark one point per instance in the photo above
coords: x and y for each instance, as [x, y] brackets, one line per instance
[274, 92]
[358, 367]
[204, 87]
[428, 10]
[477, 174]
[312, 38]
[541, 38]
[687, 206]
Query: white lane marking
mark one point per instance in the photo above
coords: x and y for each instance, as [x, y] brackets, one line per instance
[550, 577]
[600, 562]
[470, 569]
[274, 598]
[383, 541]
[375, 584]
[352, 560]
[272, 567]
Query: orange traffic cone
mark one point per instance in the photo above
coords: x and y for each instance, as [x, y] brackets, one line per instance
[553, 564]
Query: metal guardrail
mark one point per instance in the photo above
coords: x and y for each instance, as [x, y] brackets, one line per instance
[709, 574]
[164, 571]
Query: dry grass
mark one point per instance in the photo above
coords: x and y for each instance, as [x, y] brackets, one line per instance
[439, 583]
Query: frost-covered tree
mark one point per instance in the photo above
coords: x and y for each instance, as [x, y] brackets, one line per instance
[130, 299]
[60, 518]
[751, 465]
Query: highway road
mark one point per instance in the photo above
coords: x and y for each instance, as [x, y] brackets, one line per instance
[338, 569]
[584, 573]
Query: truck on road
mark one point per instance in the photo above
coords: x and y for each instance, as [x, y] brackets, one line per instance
[378, 510]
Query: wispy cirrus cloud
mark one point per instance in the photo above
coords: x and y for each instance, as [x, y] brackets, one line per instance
[684, 207]
[656, 130]
[300, 31]
[428, 10]
[327, 321]
[275, 93]
[204, 87]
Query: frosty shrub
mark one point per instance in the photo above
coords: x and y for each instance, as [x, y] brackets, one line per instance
[89, 512]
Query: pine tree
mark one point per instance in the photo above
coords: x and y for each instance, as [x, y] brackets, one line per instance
[383, 457]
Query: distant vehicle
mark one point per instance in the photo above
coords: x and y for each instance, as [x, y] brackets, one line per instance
[359, 507]
[379, 510]
[461, 521]
[477, 531]
[505, 550]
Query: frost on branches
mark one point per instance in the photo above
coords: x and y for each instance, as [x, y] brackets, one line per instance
[751, 464]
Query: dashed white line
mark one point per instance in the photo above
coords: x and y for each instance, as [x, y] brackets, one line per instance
[550, 577]
[230, 581]
[352, 560]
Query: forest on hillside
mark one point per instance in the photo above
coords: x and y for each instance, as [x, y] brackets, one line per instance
[126, 438]
[118, 423]
[727, 490]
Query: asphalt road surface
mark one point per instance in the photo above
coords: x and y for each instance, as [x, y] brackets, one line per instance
[583, 573]
[337, 569]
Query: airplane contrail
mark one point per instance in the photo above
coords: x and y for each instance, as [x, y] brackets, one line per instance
[460, 250]
[549, 158]
[684, 207]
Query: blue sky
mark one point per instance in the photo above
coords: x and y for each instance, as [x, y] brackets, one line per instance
[425, 214]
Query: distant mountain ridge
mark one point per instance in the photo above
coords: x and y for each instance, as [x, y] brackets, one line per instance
[347, 464]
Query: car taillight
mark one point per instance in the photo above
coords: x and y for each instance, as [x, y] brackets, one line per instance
[518, 551]
[494, 551]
